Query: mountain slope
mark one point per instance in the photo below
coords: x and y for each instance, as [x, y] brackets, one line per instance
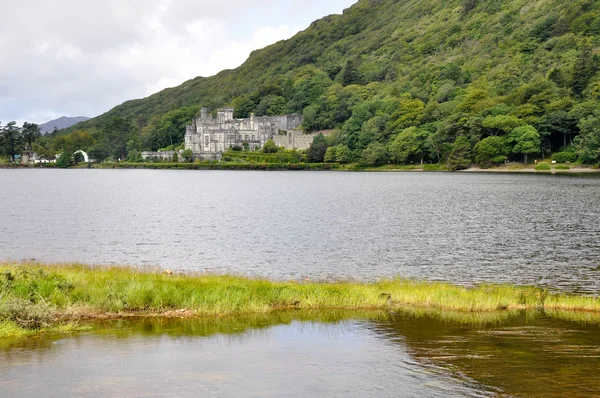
[385, 65]
[61, 123]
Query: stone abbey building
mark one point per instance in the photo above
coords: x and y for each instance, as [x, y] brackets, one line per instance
[209, 136]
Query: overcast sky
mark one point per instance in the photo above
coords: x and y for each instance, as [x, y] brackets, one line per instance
[83, 57]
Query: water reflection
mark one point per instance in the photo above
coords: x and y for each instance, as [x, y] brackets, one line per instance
[408, 353]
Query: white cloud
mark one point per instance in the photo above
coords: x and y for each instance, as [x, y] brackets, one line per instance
[73, 57]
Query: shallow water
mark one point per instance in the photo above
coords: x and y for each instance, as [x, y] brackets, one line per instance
[330, 354]
[465, 228]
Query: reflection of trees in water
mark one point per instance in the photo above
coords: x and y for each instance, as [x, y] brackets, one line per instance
[524, 353]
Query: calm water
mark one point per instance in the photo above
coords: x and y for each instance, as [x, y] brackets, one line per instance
[313, 354]
[529, 229]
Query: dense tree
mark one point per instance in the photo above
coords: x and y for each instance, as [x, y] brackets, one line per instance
[117, 133]
[331, 155]
[343, 154]
[460, 155]
[31, 132]
[526, 140]
[65, 159]
[318, 148]
[588, 143]
[491, 150]
[412, 142]
[11, 141]
[98, 153]
[584, 69]
[374, 155]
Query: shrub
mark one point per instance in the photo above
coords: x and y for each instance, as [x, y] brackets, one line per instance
[543, 167]
[25, 313]
[562, 167]
[270, 147]
[566, 155]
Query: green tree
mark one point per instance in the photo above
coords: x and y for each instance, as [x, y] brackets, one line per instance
[98, 153]
[270, 147]
[526, 139]
[351, 74]
[343, 154]
[318, 148]
[588, 143]
[374, 155]
[65, 160]
[584, 69]
[188, 156]
[31, 132]
[11, 141]
[175, 157]
[460, 155]
[491, 150]
[117, 133]
[78, 157]
[331, 155]
[411, 142]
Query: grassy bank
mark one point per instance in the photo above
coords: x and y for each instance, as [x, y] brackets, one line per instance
[35, 296]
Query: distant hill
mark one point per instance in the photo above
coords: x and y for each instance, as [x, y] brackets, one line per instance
[61, 123]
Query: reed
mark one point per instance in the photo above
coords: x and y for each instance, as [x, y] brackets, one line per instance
[34, 295]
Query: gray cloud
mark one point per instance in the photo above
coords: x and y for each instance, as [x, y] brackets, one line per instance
[73, 57]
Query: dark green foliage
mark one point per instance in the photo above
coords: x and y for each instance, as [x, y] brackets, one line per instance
[11, 141]
[78, 158]
[187, 156]
[491, 150]
[460, 155]
[318, 148]
[31, 132]
[588, 142]
[117, 133]
[566, 155]
[526, 140]
[584, 69]
[65, 160]
[98, 153]
[270, 147]
[374, 155]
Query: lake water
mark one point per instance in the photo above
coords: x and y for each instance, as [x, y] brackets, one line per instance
[464, 228]
[324, 354]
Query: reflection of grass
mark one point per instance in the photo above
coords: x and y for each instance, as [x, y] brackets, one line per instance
[462, 317]
[74, 291]
[586, 317]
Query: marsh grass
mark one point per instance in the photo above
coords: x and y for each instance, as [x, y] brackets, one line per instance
[47, 294]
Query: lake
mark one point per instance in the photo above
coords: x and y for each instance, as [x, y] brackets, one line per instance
[464, 228]
[324, 354]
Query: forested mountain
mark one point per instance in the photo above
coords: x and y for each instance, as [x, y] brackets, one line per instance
[61, 123]
[414, 80]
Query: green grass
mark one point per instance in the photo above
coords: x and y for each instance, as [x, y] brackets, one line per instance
[562, 167]
[36, 296]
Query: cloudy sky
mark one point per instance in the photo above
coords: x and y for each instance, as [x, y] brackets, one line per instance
[83, 57]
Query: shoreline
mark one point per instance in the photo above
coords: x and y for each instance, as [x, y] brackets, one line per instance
[222, 166]
[43, 297]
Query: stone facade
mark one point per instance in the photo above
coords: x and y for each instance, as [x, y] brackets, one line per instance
[208, 136]
[294, 139]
